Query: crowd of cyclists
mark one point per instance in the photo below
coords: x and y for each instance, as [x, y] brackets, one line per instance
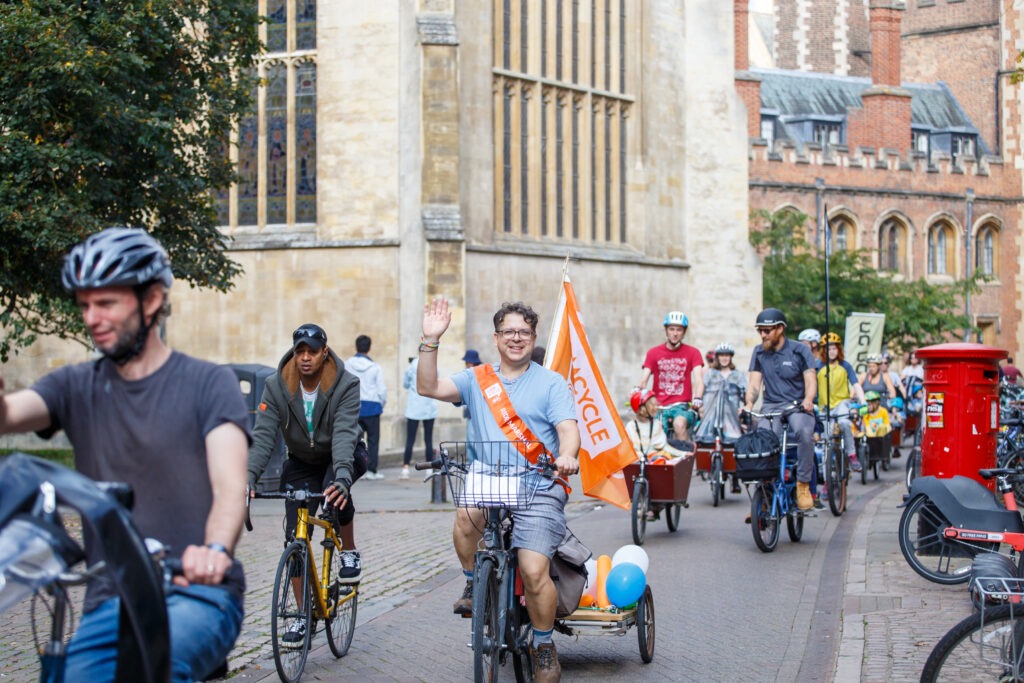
[131, 416]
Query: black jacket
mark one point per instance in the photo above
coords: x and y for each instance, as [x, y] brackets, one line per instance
[335, 419]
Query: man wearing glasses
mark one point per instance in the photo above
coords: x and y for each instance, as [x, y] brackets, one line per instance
[314, 402]
[786, 369]
[541, 398]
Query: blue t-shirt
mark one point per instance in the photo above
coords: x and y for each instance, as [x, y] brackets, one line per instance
[782, 371]
[541, 397]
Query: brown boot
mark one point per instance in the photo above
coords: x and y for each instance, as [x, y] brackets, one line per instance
[804, 501]
[464, 605]
[546, 668]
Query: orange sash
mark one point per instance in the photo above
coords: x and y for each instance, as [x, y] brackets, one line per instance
[504, 414]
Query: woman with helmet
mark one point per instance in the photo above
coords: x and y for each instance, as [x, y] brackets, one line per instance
[874, 379]
[812, 338]
[724, 389]
[678, 385]
[837, 384]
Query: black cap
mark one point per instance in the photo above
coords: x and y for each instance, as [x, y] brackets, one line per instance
[311, 335]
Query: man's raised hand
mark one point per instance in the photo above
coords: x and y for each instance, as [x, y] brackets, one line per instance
[436, 318]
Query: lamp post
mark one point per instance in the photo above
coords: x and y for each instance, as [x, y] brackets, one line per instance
[819, 187]
[969, 196]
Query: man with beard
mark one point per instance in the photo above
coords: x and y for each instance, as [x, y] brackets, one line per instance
[172, 427]
[786, 369]
[678, 384]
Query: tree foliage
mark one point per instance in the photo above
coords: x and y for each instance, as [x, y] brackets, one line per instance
[114, 112]
[917, 313]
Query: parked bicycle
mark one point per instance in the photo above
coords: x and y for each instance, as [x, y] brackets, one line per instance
[305, 594]
[495, 477]
[771, 481]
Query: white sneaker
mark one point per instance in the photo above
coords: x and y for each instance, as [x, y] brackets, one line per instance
[405, 472]
[373, 475]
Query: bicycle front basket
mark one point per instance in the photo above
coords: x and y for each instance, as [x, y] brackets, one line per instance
[757, 455]
[489, 474]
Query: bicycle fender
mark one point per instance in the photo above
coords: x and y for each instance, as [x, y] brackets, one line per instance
[966, 503]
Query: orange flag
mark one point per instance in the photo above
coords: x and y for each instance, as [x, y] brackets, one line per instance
[605, 446]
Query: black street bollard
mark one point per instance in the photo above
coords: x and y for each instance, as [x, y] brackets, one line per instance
[438, 489]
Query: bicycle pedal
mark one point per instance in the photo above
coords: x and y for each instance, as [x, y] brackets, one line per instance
[807, 513]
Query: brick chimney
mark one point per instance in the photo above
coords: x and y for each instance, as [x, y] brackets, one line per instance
[884, 122]
[748, 86]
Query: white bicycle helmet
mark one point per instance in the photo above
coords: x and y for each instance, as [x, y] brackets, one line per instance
[810, 335]
[116, 257]
[725, 348]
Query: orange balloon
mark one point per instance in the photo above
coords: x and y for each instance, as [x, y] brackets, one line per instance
[604, 565]
[586, 600]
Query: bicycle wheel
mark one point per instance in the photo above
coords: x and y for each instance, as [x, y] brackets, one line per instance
[487, 635]
[874, 469]
[862, 455]
[835, 482]
[927, 551]
[342, 624]
[764, 527]
[717, 485]
[639, 511]
[886, 456]
[672, 511]
[987, 646]
[645, 625]
[289, 612]
[522, 658]
[795, 526]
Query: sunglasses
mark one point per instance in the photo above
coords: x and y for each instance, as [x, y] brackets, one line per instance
[309, 332]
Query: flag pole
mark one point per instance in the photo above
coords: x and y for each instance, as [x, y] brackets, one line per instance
[556, 322]
[828, 364]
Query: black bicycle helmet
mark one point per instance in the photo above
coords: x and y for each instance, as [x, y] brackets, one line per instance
[116, 257]
[770, 317]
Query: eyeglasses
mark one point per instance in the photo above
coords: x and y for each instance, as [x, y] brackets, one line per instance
[509, 335]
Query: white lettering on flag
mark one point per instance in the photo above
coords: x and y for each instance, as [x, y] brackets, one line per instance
[598, 432]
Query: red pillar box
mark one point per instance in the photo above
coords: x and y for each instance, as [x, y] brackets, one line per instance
[961, 409]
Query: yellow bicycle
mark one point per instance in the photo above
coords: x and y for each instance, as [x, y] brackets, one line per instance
[305, 594]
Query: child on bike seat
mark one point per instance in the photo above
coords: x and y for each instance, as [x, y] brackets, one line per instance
[646, 432]
[876, 424]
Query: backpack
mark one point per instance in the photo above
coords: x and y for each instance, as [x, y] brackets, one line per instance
[569, 573]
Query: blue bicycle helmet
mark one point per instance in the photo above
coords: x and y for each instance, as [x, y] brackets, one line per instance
[676, 318]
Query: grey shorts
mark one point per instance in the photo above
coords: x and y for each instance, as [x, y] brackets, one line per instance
[540, 527]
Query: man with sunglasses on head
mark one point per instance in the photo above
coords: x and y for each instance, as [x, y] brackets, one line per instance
[786, 370]
[536, 401]
[314, 402]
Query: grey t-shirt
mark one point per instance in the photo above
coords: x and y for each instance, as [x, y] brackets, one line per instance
[149, 433]
[783, 371]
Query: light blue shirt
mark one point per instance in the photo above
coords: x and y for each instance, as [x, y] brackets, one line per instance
[417, 407]
[541, 398]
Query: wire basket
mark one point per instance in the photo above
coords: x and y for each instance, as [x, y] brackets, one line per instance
[1001, 641]
[491, 474]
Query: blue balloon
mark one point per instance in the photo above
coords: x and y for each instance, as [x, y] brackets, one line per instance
[625, 584]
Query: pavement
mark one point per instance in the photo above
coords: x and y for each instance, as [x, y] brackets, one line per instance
[871, 617]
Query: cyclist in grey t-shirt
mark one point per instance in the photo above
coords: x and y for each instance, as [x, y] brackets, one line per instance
[786, 370]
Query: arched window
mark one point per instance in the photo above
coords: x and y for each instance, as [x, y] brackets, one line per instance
[986, 250]
[940, 249]
[842, 234]
[276, 151]
[892, 247]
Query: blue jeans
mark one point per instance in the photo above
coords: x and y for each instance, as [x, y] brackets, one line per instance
[203, 631]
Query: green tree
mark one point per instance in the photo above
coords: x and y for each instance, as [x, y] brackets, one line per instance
[114, 112]
[917, 313]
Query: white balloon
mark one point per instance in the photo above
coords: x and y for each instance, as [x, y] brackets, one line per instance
[634, 554]
[591, 567]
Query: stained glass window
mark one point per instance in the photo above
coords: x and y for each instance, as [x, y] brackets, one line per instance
[305, 143]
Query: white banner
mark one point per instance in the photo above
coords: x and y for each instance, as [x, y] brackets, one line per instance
[864, 332]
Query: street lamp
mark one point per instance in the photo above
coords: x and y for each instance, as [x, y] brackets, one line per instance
[819, 186]
[969, 196]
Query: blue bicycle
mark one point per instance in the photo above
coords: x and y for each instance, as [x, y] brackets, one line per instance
[770, 477]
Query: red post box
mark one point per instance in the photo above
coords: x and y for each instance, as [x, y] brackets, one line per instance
[961, 409]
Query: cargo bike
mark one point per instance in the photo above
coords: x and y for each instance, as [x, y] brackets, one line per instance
[497, 479]
[657, 487]
[716, 464]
